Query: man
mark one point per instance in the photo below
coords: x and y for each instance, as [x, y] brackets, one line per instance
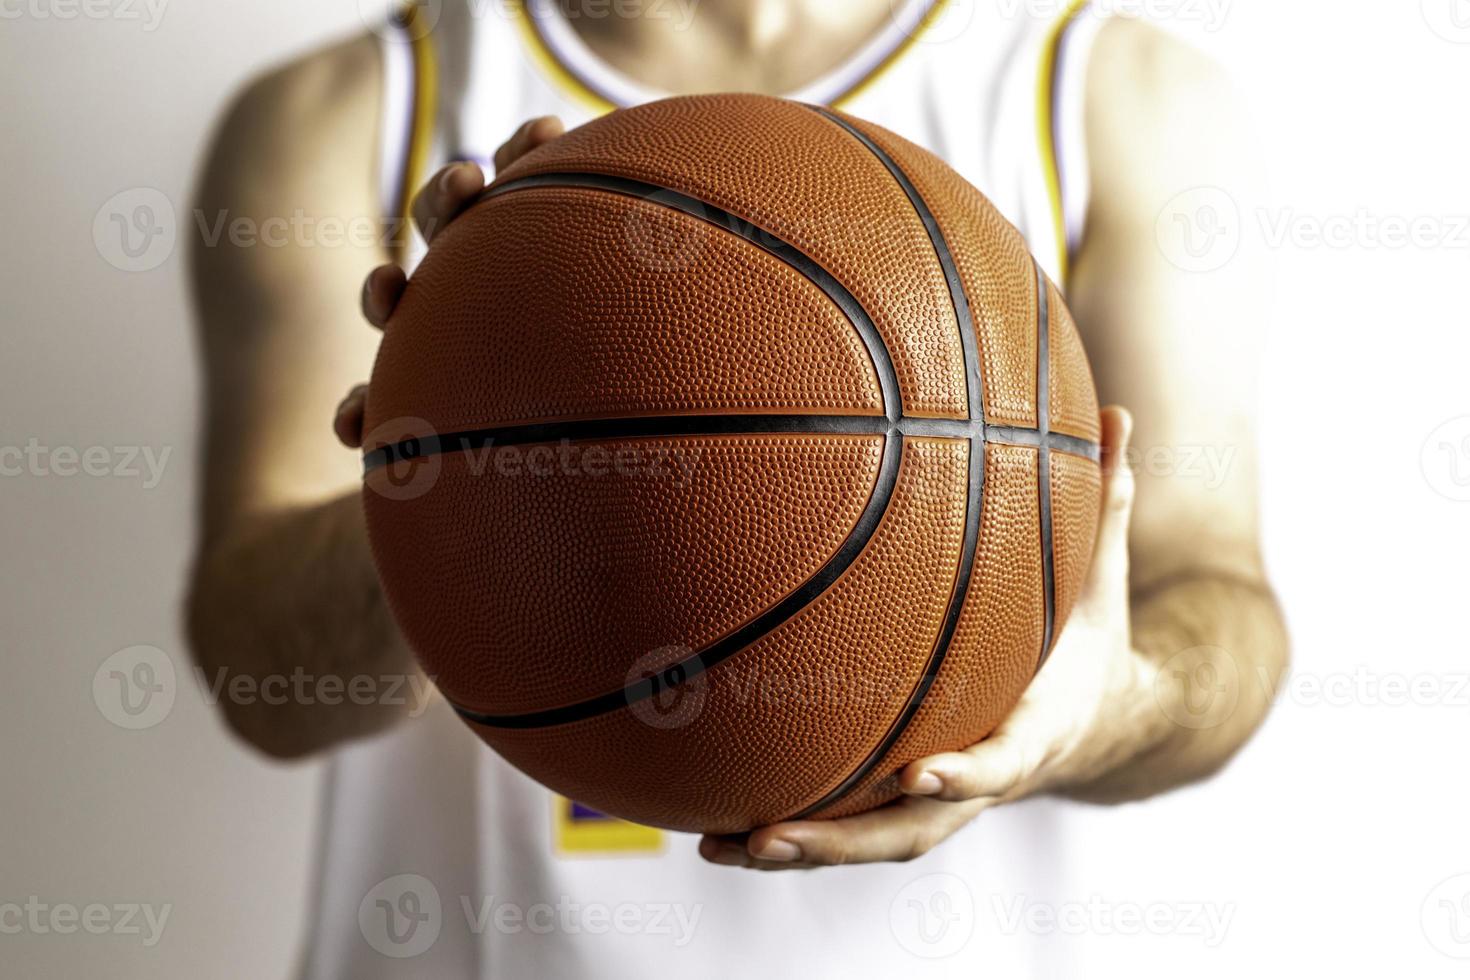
[1126, 119]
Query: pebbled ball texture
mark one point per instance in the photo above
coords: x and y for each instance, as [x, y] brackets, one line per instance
[693, 569]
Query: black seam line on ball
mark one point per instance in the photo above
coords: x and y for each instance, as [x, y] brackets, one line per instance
[477, 441]
[952, 280]
[763, 239]
[1059, 442]
[1043, 456]
[974, 498]
[682, 673]
[937, 656]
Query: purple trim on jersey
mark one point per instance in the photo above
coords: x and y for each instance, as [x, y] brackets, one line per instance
[580, 812]
[1064, 151]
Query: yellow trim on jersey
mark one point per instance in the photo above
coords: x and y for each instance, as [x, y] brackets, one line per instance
[421, 128]
[1046, 129]
[871, 78]
[549, 63]
[573, 85]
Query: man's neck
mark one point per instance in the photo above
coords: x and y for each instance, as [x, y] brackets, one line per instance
[685, 46]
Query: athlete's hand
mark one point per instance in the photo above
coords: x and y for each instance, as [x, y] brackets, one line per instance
[1090, 709]
[447, 194]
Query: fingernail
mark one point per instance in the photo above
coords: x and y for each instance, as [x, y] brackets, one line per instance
[927, 785]
[779, 850]
[447, 178]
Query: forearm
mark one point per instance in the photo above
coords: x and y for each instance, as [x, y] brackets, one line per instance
[292, 634]
[1212, 648]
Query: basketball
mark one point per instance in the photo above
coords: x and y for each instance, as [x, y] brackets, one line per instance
[726, 456]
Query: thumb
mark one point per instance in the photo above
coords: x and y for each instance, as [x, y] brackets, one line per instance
[1109, 572]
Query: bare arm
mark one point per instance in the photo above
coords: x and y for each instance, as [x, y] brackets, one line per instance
[284, 583]
[284, 589]
[1177, 337]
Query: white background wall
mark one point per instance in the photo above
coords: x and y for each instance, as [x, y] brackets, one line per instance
[1335, 837]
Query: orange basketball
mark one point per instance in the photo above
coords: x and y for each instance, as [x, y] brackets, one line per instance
[727, 456]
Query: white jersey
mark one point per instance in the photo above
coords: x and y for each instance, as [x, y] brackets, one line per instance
[440, 860]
